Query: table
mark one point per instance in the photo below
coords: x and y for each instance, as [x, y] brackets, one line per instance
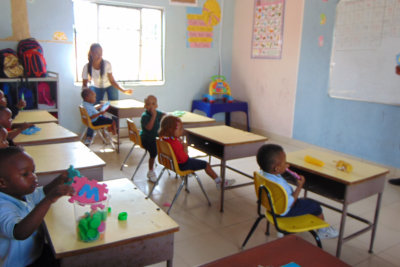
[190, 120]
[225, 143]
[125, 108]
[219, 106]
[146, 237]
[364, 181]
[53, 159]
[34, 116]
[50, 133]
[290, 248]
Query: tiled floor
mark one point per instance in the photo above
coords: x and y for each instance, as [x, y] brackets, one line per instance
[206, 234]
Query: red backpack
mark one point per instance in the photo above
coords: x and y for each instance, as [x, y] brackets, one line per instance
[44, 94]
[30, 52]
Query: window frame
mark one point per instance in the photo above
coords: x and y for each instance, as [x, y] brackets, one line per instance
[78, 78]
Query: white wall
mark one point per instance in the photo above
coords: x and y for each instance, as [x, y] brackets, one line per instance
[269, 85]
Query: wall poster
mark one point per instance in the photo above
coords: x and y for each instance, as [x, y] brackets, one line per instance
[267, 36]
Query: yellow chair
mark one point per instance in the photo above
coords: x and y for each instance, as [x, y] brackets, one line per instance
[166, 157]
[100, 129]
[134, 136]
[274, 199]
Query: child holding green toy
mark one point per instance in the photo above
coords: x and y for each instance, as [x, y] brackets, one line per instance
[23, 206]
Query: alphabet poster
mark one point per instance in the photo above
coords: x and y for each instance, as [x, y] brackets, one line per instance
[267, 37]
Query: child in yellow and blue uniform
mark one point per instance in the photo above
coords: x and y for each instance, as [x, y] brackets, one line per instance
[23, 206]
[89, 99]
[272, 161]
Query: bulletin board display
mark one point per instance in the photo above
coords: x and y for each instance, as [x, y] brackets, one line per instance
[267, 39]
[366, 43]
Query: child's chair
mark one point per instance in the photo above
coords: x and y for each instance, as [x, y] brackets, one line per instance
[134, 136]
[100, 129]
[166, 157]
[274, 199]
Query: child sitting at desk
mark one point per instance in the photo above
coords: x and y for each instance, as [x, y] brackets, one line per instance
[23, 206]
[171, 131]
[14, 109]
[89, 99]
[150, 122]
[272, 161]
[6, 122]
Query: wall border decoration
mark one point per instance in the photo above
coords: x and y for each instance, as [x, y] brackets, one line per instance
[183, 2]
[268, 22]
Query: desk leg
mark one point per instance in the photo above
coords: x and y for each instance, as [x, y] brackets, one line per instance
[378, 204]
[228, 118]
[341, 229]
[222, 174]
[117, 122]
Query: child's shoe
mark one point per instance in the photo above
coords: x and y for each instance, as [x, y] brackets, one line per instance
[87, 141]
[228, 182]
[152, 176]
[327, 233]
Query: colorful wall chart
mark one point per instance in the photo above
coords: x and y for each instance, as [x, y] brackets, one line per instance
[200, 23]
[268, 29]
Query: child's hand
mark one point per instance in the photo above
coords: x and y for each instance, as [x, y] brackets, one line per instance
[21, 104]
[58, 191]
[62, 178]
[301, 181]
[25, 125]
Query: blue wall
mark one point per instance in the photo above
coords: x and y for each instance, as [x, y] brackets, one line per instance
[365, 130]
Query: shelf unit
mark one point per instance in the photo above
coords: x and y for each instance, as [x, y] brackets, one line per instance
[14, 85]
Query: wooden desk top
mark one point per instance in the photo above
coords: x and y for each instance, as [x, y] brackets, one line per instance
[226, 135]
[189, 117]
[34, 116]
[126, 104]
[49, 133]
[145, 220]
[54, 158]
[361, 170]
[282, 251]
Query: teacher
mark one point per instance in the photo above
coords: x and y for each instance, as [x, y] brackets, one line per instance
[99, 72]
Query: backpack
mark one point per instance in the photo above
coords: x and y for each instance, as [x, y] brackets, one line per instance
[30, 52]
[44, 95]
[9, 64]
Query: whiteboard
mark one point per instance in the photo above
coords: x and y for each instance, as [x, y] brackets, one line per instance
[366, 43]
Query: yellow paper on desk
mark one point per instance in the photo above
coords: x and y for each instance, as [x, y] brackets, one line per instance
[314, 161]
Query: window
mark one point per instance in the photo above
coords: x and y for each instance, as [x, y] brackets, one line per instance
[131, 37]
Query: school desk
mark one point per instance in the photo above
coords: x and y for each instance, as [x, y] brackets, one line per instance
[220, 106]
[280, 252]
[49, 133]
[53, 159]
[34, 116]
[146, 237]
[362, 182]
[190, 120]
[125, 108]
[225, 143]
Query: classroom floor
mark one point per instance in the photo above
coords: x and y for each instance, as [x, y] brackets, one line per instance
[206, 234]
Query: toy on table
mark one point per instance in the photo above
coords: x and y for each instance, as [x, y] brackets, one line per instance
[90, 210]
[31, 130]
[105, 106]
[344, 166]
[178, 113]
[218, 86]
[72, 172]
[314, 161]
